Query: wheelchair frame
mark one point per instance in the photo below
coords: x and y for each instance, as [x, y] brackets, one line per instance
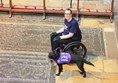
[76, 48]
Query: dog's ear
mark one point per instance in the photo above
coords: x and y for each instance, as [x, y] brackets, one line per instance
[50, 54]
[57, 54]
[58, 49]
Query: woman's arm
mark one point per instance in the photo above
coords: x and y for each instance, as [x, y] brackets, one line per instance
[67, 36]
[60, 30]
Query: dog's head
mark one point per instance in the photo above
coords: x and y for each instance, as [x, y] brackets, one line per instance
[54, 55]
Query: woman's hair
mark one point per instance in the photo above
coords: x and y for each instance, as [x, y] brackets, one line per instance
[68, 9]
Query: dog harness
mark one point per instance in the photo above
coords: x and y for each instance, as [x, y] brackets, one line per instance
[64, 58]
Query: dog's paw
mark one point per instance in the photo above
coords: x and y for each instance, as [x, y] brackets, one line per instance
[81, 72]
[84, 75]
[61, 70]
[51, 60]
[57, 74]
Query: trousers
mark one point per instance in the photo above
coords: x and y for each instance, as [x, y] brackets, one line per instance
[56, 44]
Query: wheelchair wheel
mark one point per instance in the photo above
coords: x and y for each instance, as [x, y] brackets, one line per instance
[76, 48]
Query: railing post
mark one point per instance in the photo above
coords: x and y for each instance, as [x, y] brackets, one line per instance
[78, 10]
[1, 2]
[44, 10]
[70, 3]
[112, 10]
[10, 10]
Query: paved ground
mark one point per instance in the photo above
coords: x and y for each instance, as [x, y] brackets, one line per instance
[24, 46]
[23, 36]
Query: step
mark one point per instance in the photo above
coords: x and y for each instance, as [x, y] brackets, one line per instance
[110, 43]
[25, 68]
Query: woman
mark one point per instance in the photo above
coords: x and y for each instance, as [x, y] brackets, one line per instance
[69, 33]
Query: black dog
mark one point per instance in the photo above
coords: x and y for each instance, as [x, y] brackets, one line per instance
[56, 56]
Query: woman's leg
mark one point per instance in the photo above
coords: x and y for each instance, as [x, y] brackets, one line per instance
[54, 45]
[62, 41]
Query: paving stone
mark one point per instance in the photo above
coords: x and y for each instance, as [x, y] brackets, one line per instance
[94, 22]
[116, 23]
[111, 66]
[110, 77]
[116, 31]
[111, 44]
[92, 77]
[65, 77]
[98, 66]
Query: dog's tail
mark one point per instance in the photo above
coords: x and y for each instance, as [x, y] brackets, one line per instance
[89, 63]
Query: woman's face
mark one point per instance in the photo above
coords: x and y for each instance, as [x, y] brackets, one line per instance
[67, 15]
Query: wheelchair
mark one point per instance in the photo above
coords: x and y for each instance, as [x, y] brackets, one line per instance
[75, 47]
